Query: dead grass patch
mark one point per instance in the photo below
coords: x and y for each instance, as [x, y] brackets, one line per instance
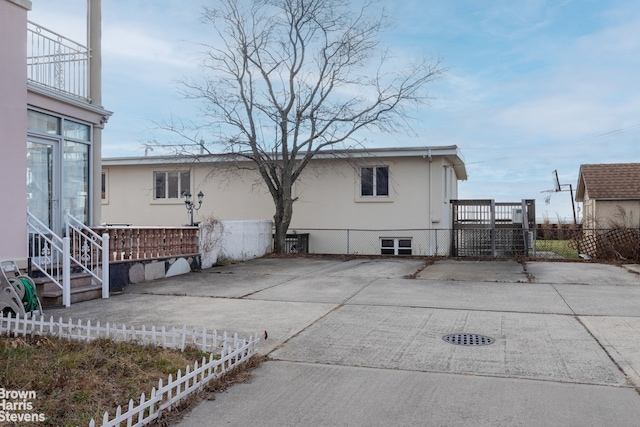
[77, 381]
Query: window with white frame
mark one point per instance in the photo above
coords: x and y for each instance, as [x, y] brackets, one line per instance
[374, 181]
[171, 185]
[395, 246]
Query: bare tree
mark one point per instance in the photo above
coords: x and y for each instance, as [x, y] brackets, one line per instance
[288, 78]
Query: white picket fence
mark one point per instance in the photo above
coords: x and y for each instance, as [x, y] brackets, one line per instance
[231, 351]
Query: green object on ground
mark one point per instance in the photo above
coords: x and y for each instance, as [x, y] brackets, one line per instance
[30, 297]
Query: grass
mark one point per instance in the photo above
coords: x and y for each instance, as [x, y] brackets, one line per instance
[77, 381]
[560, 247]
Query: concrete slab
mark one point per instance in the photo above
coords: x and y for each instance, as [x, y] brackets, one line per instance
[619, 337]
[209, 283]
[602, 300]
[300, 394]
[514, 297]
[356, 343]
[581, 273]
[315, 288]
[280, 266]
[374, 267]
[361, 267]
[477, 271]
[534, 346]
[282, 320]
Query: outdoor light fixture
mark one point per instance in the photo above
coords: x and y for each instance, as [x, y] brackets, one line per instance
[190, 205]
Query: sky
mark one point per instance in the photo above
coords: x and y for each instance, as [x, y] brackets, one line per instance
[531, 86]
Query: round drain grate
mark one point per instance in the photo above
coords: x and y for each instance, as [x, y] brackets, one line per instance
[468, 339]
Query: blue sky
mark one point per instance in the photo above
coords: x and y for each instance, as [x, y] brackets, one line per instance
[532, 86]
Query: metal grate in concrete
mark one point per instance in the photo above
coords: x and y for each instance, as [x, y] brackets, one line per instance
[468, 339]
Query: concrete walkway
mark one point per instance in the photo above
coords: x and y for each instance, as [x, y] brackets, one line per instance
[360, 342]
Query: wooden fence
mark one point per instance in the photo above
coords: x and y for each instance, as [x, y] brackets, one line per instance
[226, 353]
[138, 243]
[621, 244]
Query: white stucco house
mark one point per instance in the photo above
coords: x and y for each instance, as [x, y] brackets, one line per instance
[385, 200]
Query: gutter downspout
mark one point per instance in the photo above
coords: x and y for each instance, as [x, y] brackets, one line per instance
[430, 200]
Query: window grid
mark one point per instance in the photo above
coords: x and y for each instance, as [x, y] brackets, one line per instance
[395, 246]
[374, 181]
[171, 185]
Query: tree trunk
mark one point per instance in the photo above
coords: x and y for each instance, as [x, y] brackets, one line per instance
[282, 219]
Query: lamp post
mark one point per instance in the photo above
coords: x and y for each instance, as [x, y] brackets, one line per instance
[190, 205]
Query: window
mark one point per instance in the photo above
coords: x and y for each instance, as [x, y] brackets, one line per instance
[76, 130]
[171, 185]
[103, 187]
[374, 181]
[449, 183]
[75, 179]
[395, 246]
[43, 123]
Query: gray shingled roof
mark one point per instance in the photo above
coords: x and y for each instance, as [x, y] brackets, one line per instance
[610, 181]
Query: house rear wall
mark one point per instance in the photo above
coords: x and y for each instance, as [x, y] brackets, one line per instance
[327, 195]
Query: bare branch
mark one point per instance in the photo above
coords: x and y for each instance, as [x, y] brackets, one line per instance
[285, 79]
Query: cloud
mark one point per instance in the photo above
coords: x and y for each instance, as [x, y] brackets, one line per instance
[59, 20]
[133, 44]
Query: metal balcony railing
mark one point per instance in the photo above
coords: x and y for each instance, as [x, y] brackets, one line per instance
[57, 62]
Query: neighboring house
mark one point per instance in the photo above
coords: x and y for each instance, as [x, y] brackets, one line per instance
[610, 194]
[51, 119]
[400, 190]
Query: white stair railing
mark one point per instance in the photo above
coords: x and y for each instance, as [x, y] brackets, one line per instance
[50, 254]
[90, 251]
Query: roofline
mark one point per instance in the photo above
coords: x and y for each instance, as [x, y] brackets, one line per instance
[450, 152]
[633, 199]
[581, 187]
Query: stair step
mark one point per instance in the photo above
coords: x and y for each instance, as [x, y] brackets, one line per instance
[83, 288]
[78, 294]
[44, 284]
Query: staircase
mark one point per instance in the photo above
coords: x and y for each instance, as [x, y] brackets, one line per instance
[68, 269]
[83, 288]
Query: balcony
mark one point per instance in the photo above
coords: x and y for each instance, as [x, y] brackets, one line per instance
[57, 63]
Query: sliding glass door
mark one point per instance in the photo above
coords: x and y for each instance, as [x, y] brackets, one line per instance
[58, 169]
[43, 181]
[75, 190]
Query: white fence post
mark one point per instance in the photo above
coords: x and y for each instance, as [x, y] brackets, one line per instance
[105, 265]
[66, 271]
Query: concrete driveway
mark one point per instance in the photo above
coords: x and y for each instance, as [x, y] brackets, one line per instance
[360, 342]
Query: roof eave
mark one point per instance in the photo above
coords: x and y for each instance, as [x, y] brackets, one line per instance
[451, 153]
